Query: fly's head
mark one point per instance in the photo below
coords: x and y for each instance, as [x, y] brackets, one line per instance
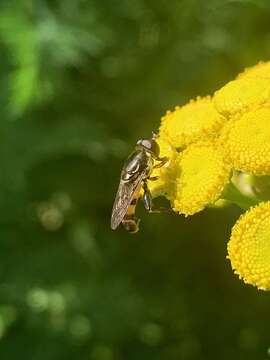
[149, 145]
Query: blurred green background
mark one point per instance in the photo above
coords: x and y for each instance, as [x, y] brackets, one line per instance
[80, 82]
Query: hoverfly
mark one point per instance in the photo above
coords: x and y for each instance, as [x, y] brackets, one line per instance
[134, 176]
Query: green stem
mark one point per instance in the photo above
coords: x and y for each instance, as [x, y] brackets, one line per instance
[234, 195]
[261, 187]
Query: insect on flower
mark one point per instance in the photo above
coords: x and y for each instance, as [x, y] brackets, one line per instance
[134, 176]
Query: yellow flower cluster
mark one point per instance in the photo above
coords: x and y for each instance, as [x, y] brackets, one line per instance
[208, 139]
[197, 171]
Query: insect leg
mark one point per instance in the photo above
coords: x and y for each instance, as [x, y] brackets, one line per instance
[147, 197]
[162, 161]
[153, 178]
[148, 201]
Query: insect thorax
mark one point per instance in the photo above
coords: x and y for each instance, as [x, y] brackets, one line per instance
[138, 163]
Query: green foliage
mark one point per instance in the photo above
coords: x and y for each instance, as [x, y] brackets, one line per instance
[80, 82]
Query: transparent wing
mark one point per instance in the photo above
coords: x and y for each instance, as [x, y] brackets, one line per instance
[123, 198]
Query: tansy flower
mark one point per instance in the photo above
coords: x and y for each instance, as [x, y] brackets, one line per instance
[206, 139]
[198, 120]
[239, 96]
[249, 246]
[262, 69]
[247, 142]
[200, 179]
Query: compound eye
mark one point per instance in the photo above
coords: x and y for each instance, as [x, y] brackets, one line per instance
[147, 144]
[150, 145]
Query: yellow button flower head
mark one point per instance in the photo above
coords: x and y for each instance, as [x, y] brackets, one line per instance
[248, 142]
[201, 177]
[249, 246]
[262, 69]
[198, 120]
[163, 184]
[241, 95]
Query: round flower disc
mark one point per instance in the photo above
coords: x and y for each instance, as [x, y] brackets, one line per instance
[201, 177]
[241, 95]
[198, 120]
[249, 246]
[248, 142]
